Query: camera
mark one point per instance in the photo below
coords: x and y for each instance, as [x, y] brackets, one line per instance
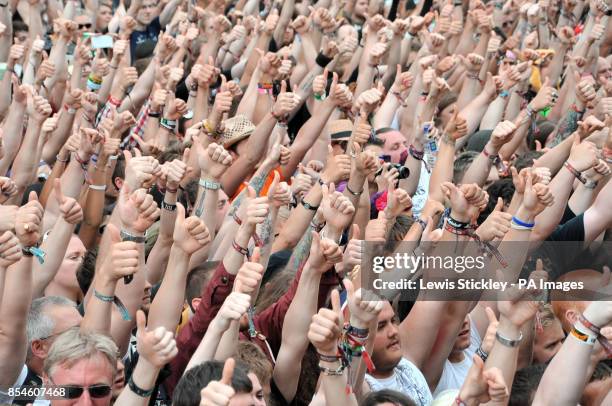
[404, 172]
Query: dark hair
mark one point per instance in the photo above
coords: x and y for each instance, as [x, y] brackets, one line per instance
[187, 391]
[119, 171]
[525, 384]
[503, 188]
[197, 278]
[19, 25]
[87, 270]
[387, 396]
[254, 358]
[375, 141]
[462, 163]
[526, 160]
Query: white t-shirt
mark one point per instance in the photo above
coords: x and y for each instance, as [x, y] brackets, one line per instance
[407, 379]
[454, 374]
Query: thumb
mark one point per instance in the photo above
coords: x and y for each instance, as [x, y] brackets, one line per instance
[32, 196]
[251, 193]
[113, 233]
[330, 152]
[546, 82]
[538, 145]
[490, 315]
[356, 232]
[398, 71]
[180, 213]
[186, 155]
[228, 372]
[499, 205]
[324, 192]
[350, 289]
[528, 181]
[576, 77]
[334, 80]
[256, 255]
[514, 172]
[57, 189]
[274, 184]
[335, 302]
[478, 363]
[577, 137]
[539, 265]
[429, 227]
[223, 83]
[316, 240]
[141, 322]
[127, 155]
[283, 88]
[325, 74]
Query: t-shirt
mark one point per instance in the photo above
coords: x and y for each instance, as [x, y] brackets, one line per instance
[142, 43]
[454, 374]
[26, 378]
[407, 379]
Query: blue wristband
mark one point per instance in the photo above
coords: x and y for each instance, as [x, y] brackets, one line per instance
[522, 223]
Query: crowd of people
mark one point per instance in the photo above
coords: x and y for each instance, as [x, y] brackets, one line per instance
[187, 189]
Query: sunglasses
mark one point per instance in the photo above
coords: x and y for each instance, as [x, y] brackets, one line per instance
[95, 391]
[86, 25]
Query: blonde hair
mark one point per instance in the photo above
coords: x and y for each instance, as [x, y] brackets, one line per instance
[74, 345]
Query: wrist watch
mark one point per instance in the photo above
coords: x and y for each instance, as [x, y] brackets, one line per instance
[125, 236]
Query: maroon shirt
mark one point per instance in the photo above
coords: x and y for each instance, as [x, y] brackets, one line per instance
[269, 322]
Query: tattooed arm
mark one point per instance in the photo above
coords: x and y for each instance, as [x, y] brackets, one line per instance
[568, 125]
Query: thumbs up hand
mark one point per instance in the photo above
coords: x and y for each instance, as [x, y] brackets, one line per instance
[69, 208]
[158, 347]
[324, 330]
[28, 221]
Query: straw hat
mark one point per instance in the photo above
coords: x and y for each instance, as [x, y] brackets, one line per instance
[340, 130]
[236, 129]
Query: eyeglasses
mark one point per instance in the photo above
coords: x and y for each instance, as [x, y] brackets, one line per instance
[86, 25]
[95, 391]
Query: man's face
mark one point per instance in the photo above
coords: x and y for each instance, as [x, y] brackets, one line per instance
[64, 318]
[548, 342]
[463, 338]
[94, 371]
[146, 297]
[222, 207]
[147, 12]
[339, 147]
[258, 392]
[387, 351]
[395, 145]
[361, 7]
[83, 24]
[119, 382]
[66, 275]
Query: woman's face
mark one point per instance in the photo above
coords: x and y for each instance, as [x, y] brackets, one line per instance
[104, 16]
[447, 113]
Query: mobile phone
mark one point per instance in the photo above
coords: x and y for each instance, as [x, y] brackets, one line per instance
[2, 70]
[102, 41]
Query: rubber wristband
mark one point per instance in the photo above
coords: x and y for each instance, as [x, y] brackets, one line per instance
[143, 393]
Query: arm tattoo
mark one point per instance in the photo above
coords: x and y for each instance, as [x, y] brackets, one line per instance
[200, 205]
[567, 127]
[266, 230]
[300, 254]
[257, 182]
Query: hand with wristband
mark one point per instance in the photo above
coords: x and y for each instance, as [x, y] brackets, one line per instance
[121, 122]
[467, 201]
[364, 307]
[213, 161]
[28, 221]
[536, 198]
[398, 201]
[137, 211]
[324, 333]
